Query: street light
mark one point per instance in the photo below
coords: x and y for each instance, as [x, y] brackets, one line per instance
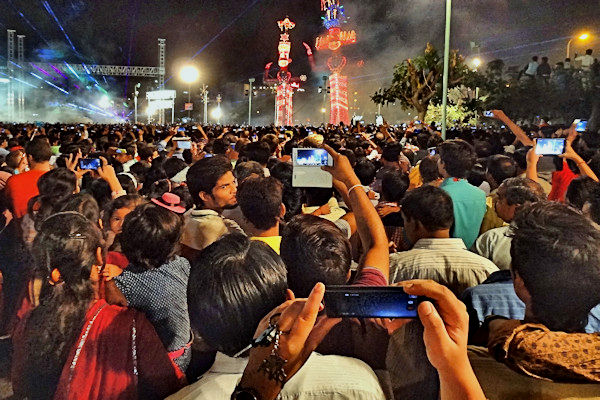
[582, 37]
[446, 67]
[189, 74]
[477, 62]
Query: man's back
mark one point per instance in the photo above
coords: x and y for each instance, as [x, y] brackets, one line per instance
[20, 189]
[469, 209]
[322, 377]
[446, 261]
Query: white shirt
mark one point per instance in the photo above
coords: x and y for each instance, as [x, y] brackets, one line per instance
[446, 261]
[128, 164]
[495, 246]
[532, 68]
[586, 61]
[322, 377]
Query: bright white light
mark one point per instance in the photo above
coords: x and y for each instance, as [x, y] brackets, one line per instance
[323, 110]
[585, 36]
[477, 62]
[4, 80]
[216, 113]
[104, 102]
[189, 74]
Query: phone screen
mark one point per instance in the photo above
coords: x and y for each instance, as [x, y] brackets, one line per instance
[488, 114]
[550, 147]
[370, 302]
[312, 158]
[581, 126]
[432, 151]
[184, 144]
[89, 163]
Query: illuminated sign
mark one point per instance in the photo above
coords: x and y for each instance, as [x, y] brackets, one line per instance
[335, 39]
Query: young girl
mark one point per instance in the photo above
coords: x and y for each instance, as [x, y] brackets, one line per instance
[155, 281]
[75, 345]
[113, 217]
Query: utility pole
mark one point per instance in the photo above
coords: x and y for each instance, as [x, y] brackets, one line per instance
[205, 100]
[219, 108]
[136, 93]
[251, 80]
[446, 68]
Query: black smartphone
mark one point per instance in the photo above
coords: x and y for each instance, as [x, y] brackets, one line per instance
[89, 163]
[370, 302]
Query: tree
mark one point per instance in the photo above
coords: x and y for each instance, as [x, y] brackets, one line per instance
[418, 82]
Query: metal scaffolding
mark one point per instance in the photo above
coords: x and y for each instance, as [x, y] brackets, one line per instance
[16, 76]
[10, 65]
[20, 86]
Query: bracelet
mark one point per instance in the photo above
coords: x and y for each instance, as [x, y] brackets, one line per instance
[354, 187]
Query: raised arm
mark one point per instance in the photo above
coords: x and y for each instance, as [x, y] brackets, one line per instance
[519, 133]
[369, 225]
[570, 154]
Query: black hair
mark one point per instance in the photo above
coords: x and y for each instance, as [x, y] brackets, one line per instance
[556, 251]
[579, 191]
[150, 235]
[394, 185]
[67, 242]
[520, 157]
[100, 190]
[431, 206]
[184, 196]
[409, 154]
[293, 197]
[365, 171]
[519, 191]
[256, 151]
[234, 284]
[39, 149]
[127, 183]
[127, 201]
[391, 152]
[54, 187]
[428, 168]
[243, 170]
[83, 204]
[314, 250]
[203, 176]
[476, 175]
[594, 201]
[260, 200]
[173, 166]
[458, 157]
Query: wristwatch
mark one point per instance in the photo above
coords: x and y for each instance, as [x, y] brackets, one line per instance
[241, 393]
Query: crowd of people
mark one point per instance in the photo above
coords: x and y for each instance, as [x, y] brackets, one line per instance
[142, 261]
[585, 65]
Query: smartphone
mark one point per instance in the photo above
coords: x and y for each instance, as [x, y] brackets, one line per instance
[370, 302]
[307, 172]
[181, 130]
[432, 151]
[581, 126]
[549, 147]
[184, 144]
[89, 163]
[312, 158]
[488, 114]
[121, 151]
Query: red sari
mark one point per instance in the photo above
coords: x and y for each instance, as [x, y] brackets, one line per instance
[118, 355]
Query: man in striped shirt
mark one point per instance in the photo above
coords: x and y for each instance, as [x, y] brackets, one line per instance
[428, 216]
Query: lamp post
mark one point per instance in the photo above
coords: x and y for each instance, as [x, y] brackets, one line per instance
[583, 37]
[446, 68]
[251, 80]
[189, 74]
[136, 92]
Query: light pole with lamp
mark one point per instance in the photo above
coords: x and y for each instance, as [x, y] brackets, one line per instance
[189, 74]
[582, 37]
[136, 92]
[251, 80]
[446, 68]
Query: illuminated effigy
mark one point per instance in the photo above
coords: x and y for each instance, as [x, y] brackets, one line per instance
[286, 84]
[333, 41]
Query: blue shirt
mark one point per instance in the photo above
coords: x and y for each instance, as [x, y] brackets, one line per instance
[469, 208]
[496, 296]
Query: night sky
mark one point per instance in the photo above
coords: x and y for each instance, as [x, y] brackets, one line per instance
[244, 33]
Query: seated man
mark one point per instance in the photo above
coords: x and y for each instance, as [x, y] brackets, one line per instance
[232, 287]
[555, 262]
[512, 194]
[213, 188]
[428, 216]
[260, 200]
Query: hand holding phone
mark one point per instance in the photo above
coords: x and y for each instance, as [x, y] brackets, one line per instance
[581, 125]
[89, 163]
[549, 147]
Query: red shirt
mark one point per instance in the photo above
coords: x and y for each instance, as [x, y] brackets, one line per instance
[560, 183]
[20, 189]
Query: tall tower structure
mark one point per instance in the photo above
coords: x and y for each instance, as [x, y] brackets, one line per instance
[10, 66]
[161, 75]
[333, 41]
[20, 87]
[286, 84]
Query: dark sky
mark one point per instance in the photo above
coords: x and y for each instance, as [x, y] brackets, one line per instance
[245, 34]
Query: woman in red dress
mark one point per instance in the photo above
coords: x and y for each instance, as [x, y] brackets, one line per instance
[75, 345]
